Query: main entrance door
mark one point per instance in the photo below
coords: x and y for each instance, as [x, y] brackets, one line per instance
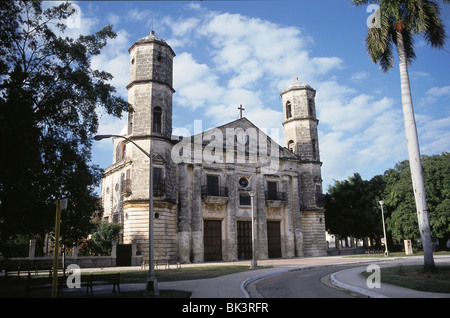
[274, 239]
[212, 240]
[244, 230]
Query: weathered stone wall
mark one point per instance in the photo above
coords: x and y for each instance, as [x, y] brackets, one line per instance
[313, 226]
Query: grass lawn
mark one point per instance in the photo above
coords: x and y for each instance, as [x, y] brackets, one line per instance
[16, 287]
[395, 254]
[413, 277]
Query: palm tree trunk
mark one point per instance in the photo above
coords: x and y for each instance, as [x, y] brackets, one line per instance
[414, 157]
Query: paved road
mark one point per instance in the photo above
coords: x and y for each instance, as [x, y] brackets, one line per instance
[307, 283]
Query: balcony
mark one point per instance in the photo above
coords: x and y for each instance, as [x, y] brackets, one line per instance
[126, 187]
[275, 199]
[216, 191]
[159, 187]
[275, 196]
[320, 200]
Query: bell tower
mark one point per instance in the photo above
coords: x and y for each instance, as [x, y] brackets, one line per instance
[300, 121]
[300, 126]
[150, 89]
[150, 127]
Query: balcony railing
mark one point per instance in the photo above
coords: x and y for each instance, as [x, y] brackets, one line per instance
[159, 187]
[214, 191]
[320, 199]
[275, 196]
[126, 187]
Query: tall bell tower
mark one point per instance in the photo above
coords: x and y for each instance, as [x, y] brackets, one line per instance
[150, 89]
[300, 125]
[300, 121]
[150, 126]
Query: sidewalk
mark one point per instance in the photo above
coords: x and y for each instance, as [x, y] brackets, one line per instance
[233, 285]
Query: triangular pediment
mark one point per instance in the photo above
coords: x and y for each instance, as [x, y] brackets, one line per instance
[242, 127]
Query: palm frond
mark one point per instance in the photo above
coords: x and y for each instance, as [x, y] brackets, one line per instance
[420, 17]
[434, 34]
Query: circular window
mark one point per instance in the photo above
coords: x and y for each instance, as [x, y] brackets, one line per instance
[243, 182]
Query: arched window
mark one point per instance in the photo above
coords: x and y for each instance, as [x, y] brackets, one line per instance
[288, 109]
[157, 119]
[290, 145]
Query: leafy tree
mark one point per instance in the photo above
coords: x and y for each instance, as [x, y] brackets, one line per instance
[352, 207]
[400, 200]
[106, 233]
[400, 21]
[48, 99]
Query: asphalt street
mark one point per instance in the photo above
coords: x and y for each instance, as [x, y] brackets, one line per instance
[306, 283]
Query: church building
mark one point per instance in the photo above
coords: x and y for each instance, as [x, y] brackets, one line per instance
[209, 187]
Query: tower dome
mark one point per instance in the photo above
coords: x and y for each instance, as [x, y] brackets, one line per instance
[296, 86]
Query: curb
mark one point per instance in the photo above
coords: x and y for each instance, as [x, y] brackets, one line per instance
[355, 289]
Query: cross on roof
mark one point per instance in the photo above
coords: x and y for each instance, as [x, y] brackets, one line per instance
[240, 110]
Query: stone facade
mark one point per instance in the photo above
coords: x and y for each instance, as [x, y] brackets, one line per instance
[207, 187]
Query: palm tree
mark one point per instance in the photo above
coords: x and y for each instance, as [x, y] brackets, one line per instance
[400, 21]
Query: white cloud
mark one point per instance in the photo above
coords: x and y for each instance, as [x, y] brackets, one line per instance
[434, 93]
[136, 15]
[359, 76]
[433, 134]
[196, 85]
[114, 59]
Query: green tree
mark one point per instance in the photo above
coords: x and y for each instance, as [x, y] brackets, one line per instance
[106, 233]
[48, 99]
[400, 200]
[400, 21]
[351, 207]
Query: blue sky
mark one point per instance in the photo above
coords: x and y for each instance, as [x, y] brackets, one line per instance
[246, 52]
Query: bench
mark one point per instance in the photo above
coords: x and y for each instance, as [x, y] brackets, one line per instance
[36, 282]
[164, 263]
[102, 279]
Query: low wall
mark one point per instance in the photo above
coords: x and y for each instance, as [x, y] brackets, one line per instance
[41, 263]
[346, 251]
[31, 262]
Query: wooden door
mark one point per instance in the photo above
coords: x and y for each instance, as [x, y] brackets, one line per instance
[212, 240]
[274, 239]
[244, 239]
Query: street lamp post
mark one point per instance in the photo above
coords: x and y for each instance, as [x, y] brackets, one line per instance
[386, 252]
[61, 204]
[151, 287]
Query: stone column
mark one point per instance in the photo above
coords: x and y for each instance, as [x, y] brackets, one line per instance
[32, 248]
[288, 241]
[197, 218]
[262, 251]
[231, 248]
[297, 217]
[114, 252]
[184, 228]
